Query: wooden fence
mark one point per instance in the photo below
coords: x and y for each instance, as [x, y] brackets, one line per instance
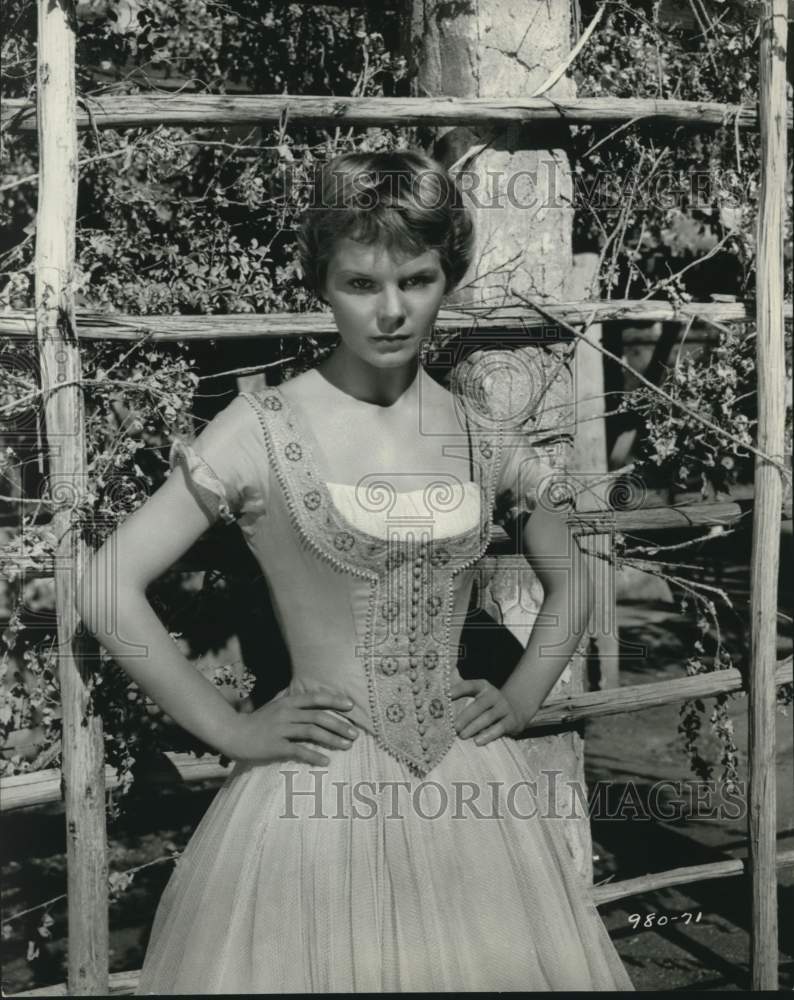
[58, 115]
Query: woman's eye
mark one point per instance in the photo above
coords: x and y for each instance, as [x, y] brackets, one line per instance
[366, 284]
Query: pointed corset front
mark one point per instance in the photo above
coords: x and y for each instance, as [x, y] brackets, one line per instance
[371, 585]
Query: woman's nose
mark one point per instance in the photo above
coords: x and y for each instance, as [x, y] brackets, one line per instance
[391, 310]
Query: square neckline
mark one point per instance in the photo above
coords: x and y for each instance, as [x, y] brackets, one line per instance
[318, 467]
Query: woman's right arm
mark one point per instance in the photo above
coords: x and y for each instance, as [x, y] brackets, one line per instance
[111, 601]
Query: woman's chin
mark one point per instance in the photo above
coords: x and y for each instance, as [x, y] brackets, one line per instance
[393, 355]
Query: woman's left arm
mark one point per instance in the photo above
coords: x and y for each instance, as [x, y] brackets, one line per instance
[561, 566]
[549, 545]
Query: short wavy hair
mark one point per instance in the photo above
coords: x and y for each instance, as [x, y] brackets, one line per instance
[403, 199]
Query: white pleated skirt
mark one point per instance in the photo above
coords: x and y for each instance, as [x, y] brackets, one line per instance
[362, 877]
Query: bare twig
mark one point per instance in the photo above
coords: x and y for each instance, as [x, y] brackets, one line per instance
[655, 388]
[549, 82]
[252, 370]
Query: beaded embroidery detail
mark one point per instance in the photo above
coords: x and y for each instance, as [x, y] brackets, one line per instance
[406, 648]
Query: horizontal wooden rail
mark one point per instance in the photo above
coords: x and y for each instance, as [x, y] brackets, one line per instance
[25, 790]
[123, 111]
[705, 514]
[638, 697]
[20, 791]
[120, 984]
[711, 514]
[126, 983]
[611, 891]
[116, 326]
[719, 513]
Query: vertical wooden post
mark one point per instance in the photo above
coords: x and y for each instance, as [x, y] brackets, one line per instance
[83, 775]
[590, 458]
[523, 241]
[770, 360]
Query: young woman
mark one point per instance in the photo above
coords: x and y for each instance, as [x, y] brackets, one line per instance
[380, 830]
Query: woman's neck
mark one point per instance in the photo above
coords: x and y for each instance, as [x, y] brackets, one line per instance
[368, 384]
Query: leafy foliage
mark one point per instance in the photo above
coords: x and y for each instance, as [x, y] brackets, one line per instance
[200, 221]
[170, 220]
[670, 197]
[719, 383]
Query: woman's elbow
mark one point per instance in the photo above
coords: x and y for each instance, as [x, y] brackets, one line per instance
[88, 594]
[97, 593]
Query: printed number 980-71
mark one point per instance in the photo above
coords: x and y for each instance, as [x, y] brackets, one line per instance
[649, 920]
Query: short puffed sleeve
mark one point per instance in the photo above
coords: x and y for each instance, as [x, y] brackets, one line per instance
[224, 465]
[523, 475]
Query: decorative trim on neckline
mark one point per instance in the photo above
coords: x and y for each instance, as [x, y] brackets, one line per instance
[324, 527]
[407, 630]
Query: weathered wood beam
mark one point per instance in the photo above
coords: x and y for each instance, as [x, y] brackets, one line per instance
[148, 110]
[118, 326]
[25, 790]
[21, 791]
[82, 772]
[765, 556]
[724, 513]
[680, 876]
[638, 697]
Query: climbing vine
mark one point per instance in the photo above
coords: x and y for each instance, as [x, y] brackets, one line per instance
[201, 221]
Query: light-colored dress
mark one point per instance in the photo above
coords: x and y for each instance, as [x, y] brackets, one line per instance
[404, 864]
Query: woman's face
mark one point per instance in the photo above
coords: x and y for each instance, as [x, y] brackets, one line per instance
[384, 303]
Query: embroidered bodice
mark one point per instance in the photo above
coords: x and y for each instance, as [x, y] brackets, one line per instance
[370, 585]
